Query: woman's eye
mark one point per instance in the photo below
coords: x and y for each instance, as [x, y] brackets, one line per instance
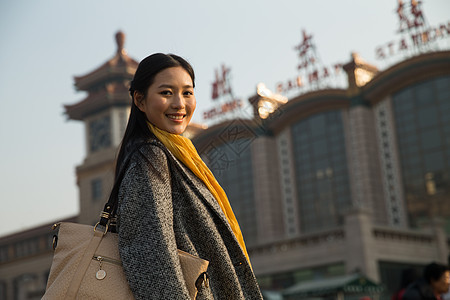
[188, 93]
[166, 93]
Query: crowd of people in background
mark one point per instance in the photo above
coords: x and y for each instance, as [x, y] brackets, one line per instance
[434, 283]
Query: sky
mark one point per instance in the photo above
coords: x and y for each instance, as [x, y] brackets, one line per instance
[44, 44]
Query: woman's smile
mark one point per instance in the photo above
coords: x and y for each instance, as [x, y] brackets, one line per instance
[170, 101]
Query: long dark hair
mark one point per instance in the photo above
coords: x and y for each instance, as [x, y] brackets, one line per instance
[148, 68]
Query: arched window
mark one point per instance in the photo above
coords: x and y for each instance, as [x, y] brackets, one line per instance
[422, 120]
[233, 170]
[321, 170]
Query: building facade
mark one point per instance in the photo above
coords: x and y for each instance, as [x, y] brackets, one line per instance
[329, 183]
[25, 260]
[339, 181]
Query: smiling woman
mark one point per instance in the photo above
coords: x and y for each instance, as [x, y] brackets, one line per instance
[168, 198]
[169, 102]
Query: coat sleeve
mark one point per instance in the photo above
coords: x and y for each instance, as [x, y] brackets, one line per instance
[146, 238]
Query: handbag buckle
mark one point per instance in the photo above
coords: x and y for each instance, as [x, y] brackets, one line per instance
[203, 279]
[106, 228]
[56, 225]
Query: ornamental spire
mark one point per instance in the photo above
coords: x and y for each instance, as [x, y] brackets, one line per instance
[120, 40]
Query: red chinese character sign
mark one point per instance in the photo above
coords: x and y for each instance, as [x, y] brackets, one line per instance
[306, 51]
[410, 16]
[222, 92]
[312, 73]
[309, 60]
[416, 36]
[221, 85]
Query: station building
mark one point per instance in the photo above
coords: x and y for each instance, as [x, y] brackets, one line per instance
[331, 183]
[341, 181]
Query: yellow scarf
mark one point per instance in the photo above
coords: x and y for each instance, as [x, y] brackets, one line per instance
[183, 149]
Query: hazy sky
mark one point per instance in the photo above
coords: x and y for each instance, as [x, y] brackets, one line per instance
[45, 43]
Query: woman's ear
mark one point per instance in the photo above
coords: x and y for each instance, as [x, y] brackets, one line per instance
[139, 100]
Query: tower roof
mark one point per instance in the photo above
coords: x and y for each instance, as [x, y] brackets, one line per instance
[107, 85]
[117, 67]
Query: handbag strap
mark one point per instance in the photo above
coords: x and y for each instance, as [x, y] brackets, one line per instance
[109, 210]
[86, 258]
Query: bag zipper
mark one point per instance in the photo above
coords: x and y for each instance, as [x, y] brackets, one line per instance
[107, 259]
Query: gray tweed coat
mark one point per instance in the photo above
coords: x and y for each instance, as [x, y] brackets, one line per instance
[164, 206]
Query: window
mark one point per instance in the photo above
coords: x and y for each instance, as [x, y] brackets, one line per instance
[96, 189]
[3, 254]
[233, 170]
[422, 122]
[2, 289]
[321, 170]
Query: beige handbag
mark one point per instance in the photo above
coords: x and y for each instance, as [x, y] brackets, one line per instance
[87, 265]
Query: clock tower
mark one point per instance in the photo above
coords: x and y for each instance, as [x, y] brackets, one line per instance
[105, 113]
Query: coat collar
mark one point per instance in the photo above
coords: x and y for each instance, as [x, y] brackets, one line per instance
[196, 183]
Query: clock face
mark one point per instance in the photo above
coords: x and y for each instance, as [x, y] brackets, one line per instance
[100, 133]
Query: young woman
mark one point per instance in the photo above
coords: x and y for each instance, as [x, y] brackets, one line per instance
[169, 199]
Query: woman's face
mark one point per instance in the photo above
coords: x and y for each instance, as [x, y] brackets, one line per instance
[441, 285]
[170, 100]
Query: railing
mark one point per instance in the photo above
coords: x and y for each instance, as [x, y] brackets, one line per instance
[305, 240]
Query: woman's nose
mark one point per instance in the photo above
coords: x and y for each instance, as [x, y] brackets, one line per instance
[178, 101]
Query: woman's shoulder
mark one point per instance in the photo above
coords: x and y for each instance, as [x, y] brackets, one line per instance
[146, 149]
